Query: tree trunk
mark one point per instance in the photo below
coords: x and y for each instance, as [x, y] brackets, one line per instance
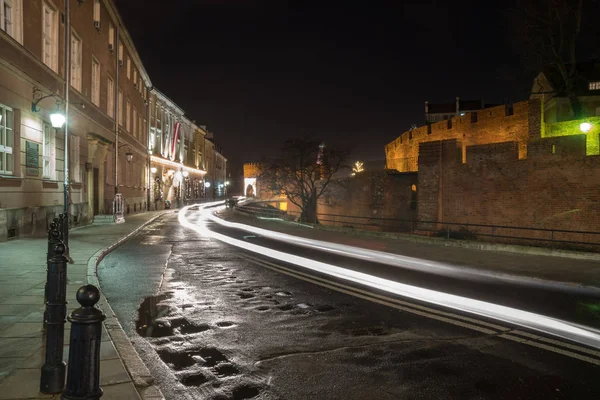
[309, 211]
[575, 105]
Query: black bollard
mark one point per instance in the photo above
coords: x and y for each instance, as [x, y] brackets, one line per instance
[53, 370]
[83, 378]
[53, 240]
[53, 237]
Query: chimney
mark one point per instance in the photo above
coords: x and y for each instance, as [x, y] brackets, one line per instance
[458, 106]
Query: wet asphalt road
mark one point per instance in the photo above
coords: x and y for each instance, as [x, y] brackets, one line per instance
[212, 323]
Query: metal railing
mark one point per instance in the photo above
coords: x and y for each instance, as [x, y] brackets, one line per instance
[542, 237]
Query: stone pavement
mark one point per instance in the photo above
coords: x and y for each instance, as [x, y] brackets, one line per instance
[578, 269]
[22, 280]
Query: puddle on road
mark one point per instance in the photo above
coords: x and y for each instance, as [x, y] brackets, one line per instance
[226, 369]
[149, 312]
[178, 361]
[245, 392]
[194, 379]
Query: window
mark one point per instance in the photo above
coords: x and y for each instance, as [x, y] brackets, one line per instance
[10, 21]
[49, 167]
[95, 82]
[135, 82]
[6, 140]
[111, 37]
[144, 134]
[49, 37]
[110, 98]
[128, 116]
[97, 14]
[120, 53]
[74, 159]
[595, 85]
[75, 61]
[128, 68]
[120, 105]
[134, 132]
[140, 127]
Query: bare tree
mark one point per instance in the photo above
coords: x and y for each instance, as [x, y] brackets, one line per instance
[302, 173]
[551, 31]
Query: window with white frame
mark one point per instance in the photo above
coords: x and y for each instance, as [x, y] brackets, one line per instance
[95, 82]
[128, 116]
[97, 13]
[110, 97]
[11, 16]
[76, 58]
[595, 85]
[74, 159]
[128, 68]
[120, 105]
[49, 138]
[111, 37]
[50, 36]
[7, 140]
[134, 131]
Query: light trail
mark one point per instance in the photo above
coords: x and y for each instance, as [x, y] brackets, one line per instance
[541, 323]
[397, 260]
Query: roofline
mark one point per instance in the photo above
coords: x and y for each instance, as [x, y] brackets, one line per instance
[114, 13]
[164, 98]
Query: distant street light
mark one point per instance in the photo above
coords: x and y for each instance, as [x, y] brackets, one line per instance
[153, 170]
[585, 127]
[185, 174]
[206, 184]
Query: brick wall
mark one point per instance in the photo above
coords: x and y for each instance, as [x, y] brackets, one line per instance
[376, 194]
[546, 190]
[492, 125]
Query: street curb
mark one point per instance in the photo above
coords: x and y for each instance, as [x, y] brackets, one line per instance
[140, 375]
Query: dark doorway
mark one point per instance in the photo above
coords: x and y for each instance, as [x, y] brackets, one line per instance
[96, 173]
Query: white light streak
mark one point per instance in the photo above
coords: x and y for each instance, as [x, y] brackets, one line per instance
[541, 323]
[400, 261]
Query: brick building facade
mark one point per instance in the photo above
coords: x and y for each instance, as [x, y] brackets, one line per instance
[111, 101]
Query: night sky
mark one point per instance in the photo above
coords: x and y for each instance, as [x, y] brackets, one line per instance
[354, 73]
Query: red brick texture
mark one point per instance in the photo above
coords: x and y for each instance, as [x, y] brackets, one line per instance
[551, 191]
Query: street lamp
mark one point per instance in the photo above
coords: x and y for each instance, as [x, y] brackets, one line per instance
[57, 119]
[153, 170]
[585, 127]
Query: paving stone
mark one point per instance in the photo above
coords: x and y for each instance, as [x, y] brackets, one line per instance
[121, 391]
[23, 330]
[22, 384]
[19, 309]
[19, 347]
[8, 365]
[24, 300]
[113, 371]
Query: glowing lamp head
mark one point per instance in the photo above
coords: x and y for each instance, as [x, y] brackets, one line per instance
[206, 184]
[185, 174]
[129, 156]
[585, 127]
[57, 120]
[153, 170]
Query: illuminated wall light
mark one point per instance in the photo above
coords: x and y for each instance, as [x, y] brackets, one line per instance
[585, 127]
[153, 170]
[185, 174]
